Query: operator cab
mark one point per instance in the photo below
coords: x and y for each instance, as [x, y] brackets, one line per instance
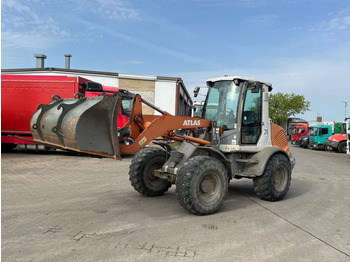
[240, 107]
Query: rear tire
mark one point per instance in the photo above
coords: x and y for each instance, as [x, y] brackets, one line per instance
[141, 172]
[202, 185]
[342, 147]
[274, 183]
[6, 147]
[328, 148]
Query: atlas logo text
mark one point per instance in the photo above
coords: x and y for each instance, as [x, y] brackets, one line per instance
[192, 123]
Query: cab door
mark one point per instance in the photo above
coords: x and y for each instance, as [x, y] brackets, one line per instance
[324, 133]
[251, 115]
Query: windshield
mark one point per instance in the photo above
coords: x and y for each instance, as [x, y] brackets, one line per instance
[299, 130]
[126, 106]
[221, 103]
[294, 130]
[342, 128]
[313, 131]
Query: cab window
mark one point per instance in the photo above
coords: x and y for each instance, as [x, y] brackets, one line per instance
[251, 116]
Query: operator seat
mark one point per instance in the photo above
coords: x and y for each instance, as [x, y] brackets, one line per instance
[250, 128]
[249, 117]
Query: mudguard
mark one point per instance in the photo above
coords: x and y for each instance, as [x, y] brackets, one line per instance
[261, 158]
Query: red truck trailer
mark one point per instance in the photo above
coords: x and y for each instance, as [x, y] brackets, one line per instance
[21, 94]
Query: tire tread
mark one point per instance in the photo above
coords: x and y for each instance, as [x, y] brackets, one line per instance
[184, 187]
[263, 185]
[137, 167]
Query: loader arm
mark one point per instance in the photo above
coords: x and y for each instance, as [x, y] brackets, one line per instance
[144, 128]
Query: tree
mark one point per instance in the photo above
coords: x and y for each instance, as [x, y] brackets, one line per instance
[282, 106]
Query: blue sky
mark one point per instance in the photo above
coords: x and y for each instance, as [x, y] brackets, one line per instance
[300, 46]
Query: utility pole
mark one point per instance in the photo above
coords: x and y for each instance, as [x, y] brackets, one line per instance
[345, 103]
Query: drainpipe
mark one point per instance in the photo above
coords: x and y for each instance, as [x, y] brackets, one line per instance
[67, 56]
[40, 60]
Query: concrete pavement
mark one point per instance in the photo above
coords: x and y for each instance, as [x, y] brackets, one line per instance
[58, 206]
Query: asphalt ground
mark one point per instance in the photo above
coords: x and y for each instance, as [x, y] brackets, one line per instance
[59, 206]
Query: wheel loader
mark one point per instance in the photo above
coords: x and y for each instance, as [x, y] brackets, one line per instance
[234, 138]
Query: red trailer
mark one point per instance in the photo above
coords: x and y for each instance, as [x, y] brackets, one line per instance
[21, 94]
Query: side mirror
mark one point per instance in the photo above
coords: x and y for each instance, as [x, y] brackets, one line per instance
[196, 91]
[254, 87]
[92, 86]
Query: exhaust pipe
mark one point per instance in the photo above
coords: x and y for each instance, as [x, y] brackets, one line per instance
[40, 60]
[67, 60]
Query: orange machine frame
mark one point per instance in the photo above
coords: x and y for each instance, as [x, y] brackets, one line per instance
[145, 128]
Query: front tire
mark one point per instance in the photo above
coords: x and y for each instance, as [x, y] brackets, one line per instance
[342, 147]
[202, 185]
[141, 172]
[274, 183]
[328, 148]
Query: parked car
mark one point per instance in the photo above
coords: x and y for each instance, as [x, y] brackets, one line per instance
[304, 141]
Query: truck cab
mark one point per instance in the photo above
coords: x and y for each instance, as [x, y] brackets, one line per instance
[348, 135]
[337, 142]
[319, 135]
[298, 132]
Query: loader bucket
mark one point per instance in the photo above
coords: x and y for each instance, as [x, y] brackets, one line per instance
[81, 124]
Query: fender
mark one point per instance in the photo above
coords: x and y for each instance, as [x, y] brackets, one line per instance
[262, 157]
[216, 153]
[188, 150]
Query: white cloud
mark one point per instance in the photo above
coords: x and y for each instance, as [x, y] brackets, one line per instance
[105, 9]
[223, 3]
[264, 18]
[14, 4]
[133, 62]
[142, 43]
[116, 10]
[338, 21]
[23, 28]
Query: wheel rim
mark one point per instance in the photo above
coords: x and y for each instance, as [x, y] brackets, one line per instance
[209, 187]
[150, 173]
[343, 148]
[150, 178]
[280, 179]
